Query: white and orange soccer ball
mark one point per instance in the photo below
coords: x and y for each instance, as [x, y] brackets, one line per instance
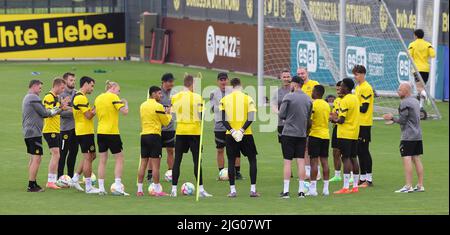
[187, 188]
[168, 176]
[223, 174]
[63, 181]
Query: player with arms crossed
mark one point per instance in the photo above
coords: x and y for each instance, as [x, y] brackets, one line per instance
[108, 105]
[295, 110]
[347, 134]
[52, 129]
[168, 132]
[365, 95]
[69, 144]
[33, 113]
[219, 130]
[188, 108]
[307, 88]
[238, 113]
[153, 117]
[411, 140]
[319, 140]
[84, 129]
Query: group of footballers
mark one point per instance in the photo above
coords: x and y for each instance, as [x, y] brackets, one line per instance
[303, 130]
[173, 121]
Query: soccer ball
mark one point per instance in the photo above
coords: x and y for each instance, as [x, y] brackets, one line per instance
[113, 187]
[187, 188]
[63, 181]
[306, 185]
[223, 174]
[93, 179]
[168, 176]
[152, 189]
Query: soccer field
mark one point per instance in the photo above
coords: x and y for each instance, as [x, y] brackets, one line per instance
[135, 78]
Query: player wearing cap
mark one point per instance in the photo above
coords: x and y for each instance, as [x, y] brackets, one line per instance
[295, 110]
[216, 95]
[347, 134]
[33, 113]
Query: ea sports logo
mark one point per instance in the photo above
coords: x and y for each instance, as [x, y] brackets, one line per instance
[210, 44]
[403, 67]
[250, 8]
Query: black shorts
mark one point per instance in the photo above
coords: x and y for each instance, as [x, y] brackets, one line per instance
[168, 139]
[220, 139]
[364, 134]
[411, 148]
[34, 145]
[184, 143]
[293, 147]
[280, 130]
[87, 143]
[53, 140]
[348, 148]
[246, 146]
[111, 142]
[151, 146]
[334, 139]
[424, 76]
[318, 147]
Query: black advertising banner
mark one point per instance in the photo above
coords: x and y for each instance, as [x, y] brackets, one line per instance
[81, 35]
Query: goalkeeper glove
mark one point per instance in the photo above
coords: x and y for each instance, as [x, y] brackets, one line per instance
[235, 134]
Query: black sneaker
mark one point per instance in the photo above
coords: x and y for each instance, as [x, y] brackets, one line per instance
[35, 189]
[239, 176]
[370, 183]
[284, 195]
[301, 195]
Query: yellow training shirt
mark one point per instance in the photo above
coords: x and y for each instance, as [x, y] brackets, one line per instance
[83, 126]
[187, 107]
[349, 108]
[107, 106]
[309, 86]
[365, 94]
[319, 116]
[420, 51]
[153, 117]
[51, 124]
[237, 105]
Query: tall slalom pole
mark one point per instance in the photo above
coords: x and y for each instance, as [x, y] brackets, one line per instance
[197, 192]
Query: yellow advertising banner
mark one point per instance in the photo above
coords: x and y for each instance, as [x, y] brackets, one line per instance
[78, 35]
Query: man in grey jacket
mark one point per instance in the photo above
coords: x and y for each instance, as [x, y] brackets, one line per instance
[69, 146]
[411, 140]
[295, 110]
[33, 114]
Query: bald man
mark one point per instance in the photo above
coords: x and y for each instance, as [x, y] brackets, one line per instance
[411, 141]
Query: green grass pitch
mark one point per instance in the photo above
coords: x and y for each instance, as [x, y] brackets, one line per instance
[135, 78]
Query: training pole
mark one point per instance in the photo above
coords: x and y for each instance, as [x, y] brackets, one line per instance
[197, 192]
